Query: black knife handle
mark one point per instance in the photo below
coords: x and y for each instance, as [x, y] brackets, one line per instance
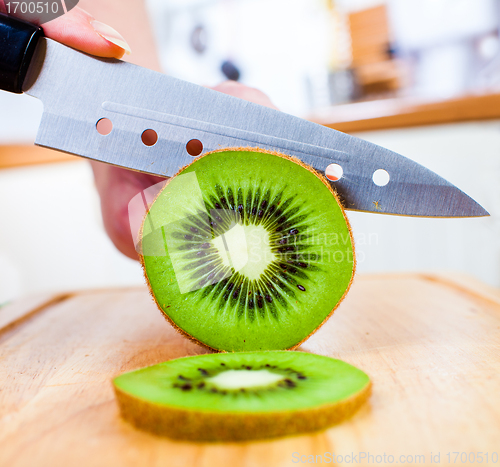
[18, 40]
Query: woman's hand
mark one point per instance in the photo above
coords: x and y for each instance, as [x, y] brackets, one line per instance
[80, 30]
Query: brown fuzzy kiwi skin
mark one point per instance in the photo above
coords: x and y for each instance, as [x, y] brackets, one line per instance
[284, 156]
[209, 426]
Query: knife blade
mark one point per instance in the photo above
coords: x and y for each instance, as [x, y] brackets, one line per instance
[78, 90]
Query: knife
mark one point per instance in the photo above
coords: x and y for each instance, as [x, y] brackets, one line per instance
[78, 90]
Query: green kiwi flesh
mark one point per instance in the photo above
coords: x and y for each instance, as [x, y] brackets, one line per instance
[295, 266]
[241, 396]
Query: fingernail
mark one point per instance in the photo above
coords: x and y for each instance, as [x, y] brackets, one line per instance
[111, 35]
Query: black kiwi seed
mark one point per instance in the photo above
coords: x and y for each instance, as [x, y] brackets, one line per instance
[263, 204]
[260, 213]
[301, 287]
[201, 385]
[290, 383]
[251, 304]
[223, 364]
[283, 241]
[188, 237]
[205, 245]
[187, 246]
[254, 211]
[186, 387]
[272, 208]
[269, 299]
[294, 232]
[240, 208]
[248, 367]
[302, 265]
[301, 376]
[229, 288]
[267, 365]
[203, 371]
[183, 378]
[230, 198]
[217, 206]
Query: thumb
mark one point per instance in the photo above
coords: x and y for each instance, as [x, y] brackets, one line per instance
[80, 30]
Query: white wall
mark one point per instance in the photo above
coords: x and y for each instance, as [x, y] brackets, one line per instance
[280, 46]
[51, 233]
[467, 155]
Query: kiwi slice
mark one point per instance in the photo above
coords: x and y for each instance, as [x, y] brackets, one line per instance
[247, 250]
[241, 396]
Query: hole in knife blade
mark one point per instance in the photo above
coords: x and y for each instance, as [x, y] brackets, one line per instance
[104, 126]
[149, 137]
[381, 177]
[334, 172]
[194, 147]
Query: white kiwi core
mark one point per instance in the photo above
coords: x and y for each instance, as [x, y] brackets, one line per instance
[246, 248]
[243, 379]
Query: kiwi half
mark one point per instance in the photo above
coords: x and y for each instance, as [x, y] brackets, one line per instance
[247, 250]
[241, 396]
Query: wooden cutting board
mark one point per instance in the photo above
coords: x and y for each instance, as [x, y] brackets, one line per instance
[431, 345]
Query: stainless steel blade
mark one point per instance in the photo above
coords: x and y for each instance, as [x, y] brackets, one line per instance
[78, 90]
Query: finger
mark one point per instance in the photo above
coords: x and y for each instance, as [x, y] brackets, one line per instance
[117, 187]
[80, 30]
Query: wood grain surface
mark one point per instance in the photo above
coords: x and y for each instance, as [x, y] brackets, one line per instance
[407, 112]
[431, 345]
[25, 155]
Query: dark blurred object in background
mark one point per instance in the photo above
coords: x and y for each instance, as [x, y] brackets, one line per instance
[199, 39]
[230, 70]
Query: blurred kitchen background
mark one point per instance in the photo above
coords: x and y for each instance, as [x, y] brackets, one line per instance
[420, 77]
